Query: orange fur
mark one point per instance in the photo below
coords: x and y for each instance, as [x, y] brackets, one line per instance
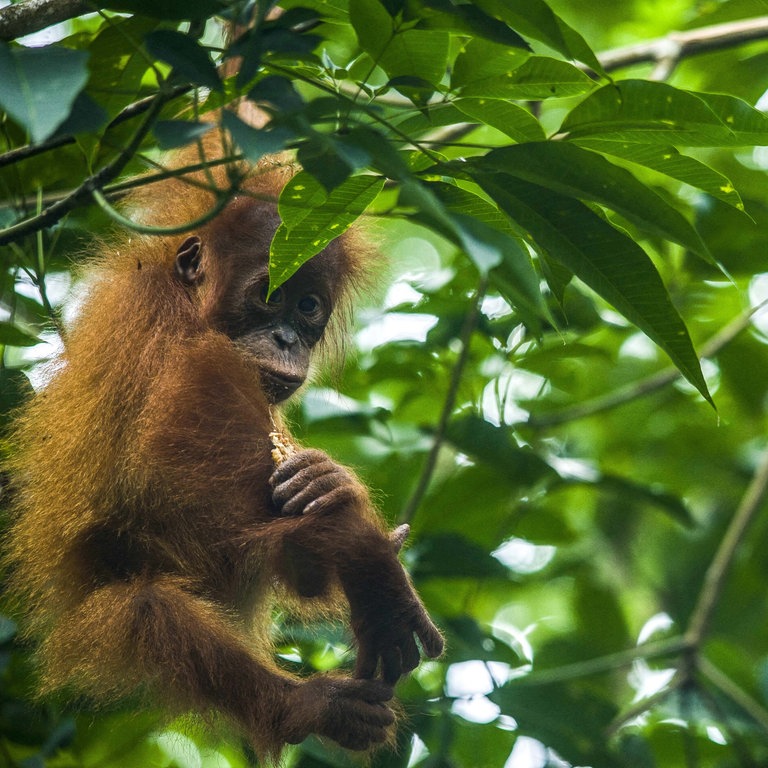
[147, 546]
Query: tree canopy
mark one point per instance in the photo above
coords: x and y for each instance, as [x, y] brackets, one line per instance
[561, 385]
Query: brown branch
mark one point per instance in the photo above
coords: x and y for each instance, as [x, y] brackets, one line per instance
[678, 45]
[31, 16]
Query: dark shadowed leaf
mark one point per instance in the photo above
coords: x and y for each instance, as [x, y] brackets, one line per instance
[188, 58]
[177, 133]
[167, 9]
[497, 447]
[40, 85]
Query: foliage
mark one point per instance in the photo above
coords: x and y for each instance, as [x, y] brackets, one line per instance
[568, 233]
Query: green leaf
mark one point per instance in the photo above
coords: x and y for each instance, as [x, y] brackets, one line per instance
[13, 336]
[450, 555]
[667, 160]
[515, 271]
[118, 63]
[480, 60]
[517, 123]
[536, 19]
[649, 112]
[40, 85]
[470, 20]
[568, 718]
[177, 133]
[481, 243]
[496, 447]
[168, 9]
[608, 261]
[571, 170]
[539, 77]
[312, 218]
[14, 389]
[256, 142]
[187, 57]
[406, 52]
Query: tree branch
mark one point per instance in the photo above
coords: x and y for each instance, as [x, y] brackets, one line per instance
[715, 576]
[33, 15]
[678, 45]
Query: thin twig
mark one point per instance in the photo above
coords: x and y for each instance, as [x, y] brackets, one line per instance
[470, 323]
[735, 693]
[84, 192]
[650, 384]
[602, 664]
[714, 579]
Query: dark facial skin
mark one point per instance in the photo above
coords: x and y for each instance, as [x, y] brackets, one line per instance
[280, 328]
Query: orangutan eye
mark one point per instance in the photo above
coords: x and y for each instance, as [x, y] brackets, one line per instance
[309, 304]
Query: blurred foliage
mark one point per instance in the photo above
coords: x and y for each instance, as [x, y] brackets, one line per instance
[566, 233]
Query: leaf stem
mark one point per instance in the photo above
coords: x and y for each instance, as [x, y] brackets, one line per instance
[470, 323]
[716, 574]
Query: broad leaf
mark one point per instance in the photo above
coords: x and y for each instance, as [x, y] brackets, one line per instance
[312, 218]
[538, 77]
[13, 336]
[651, 112]
[480, 60]
[514, 275]
[670, 162]
[188, 58]
[483, 244]
[496, 447]
[517, 123]
[168, 9]
[177, 133]
[40, 85]
[608, 261]
[536, 19]
[574, 171]
[255, 142]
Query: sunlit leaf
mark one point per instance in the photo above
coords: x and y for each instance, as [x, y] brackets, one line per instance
[650, 112]
[570, 170]
[670, 162]
[312, 218]
[537, 20]
[517, 123]
[538, 77]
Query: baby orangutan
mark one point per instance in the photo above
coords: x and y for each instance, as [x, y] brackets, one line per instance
[153, 531]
